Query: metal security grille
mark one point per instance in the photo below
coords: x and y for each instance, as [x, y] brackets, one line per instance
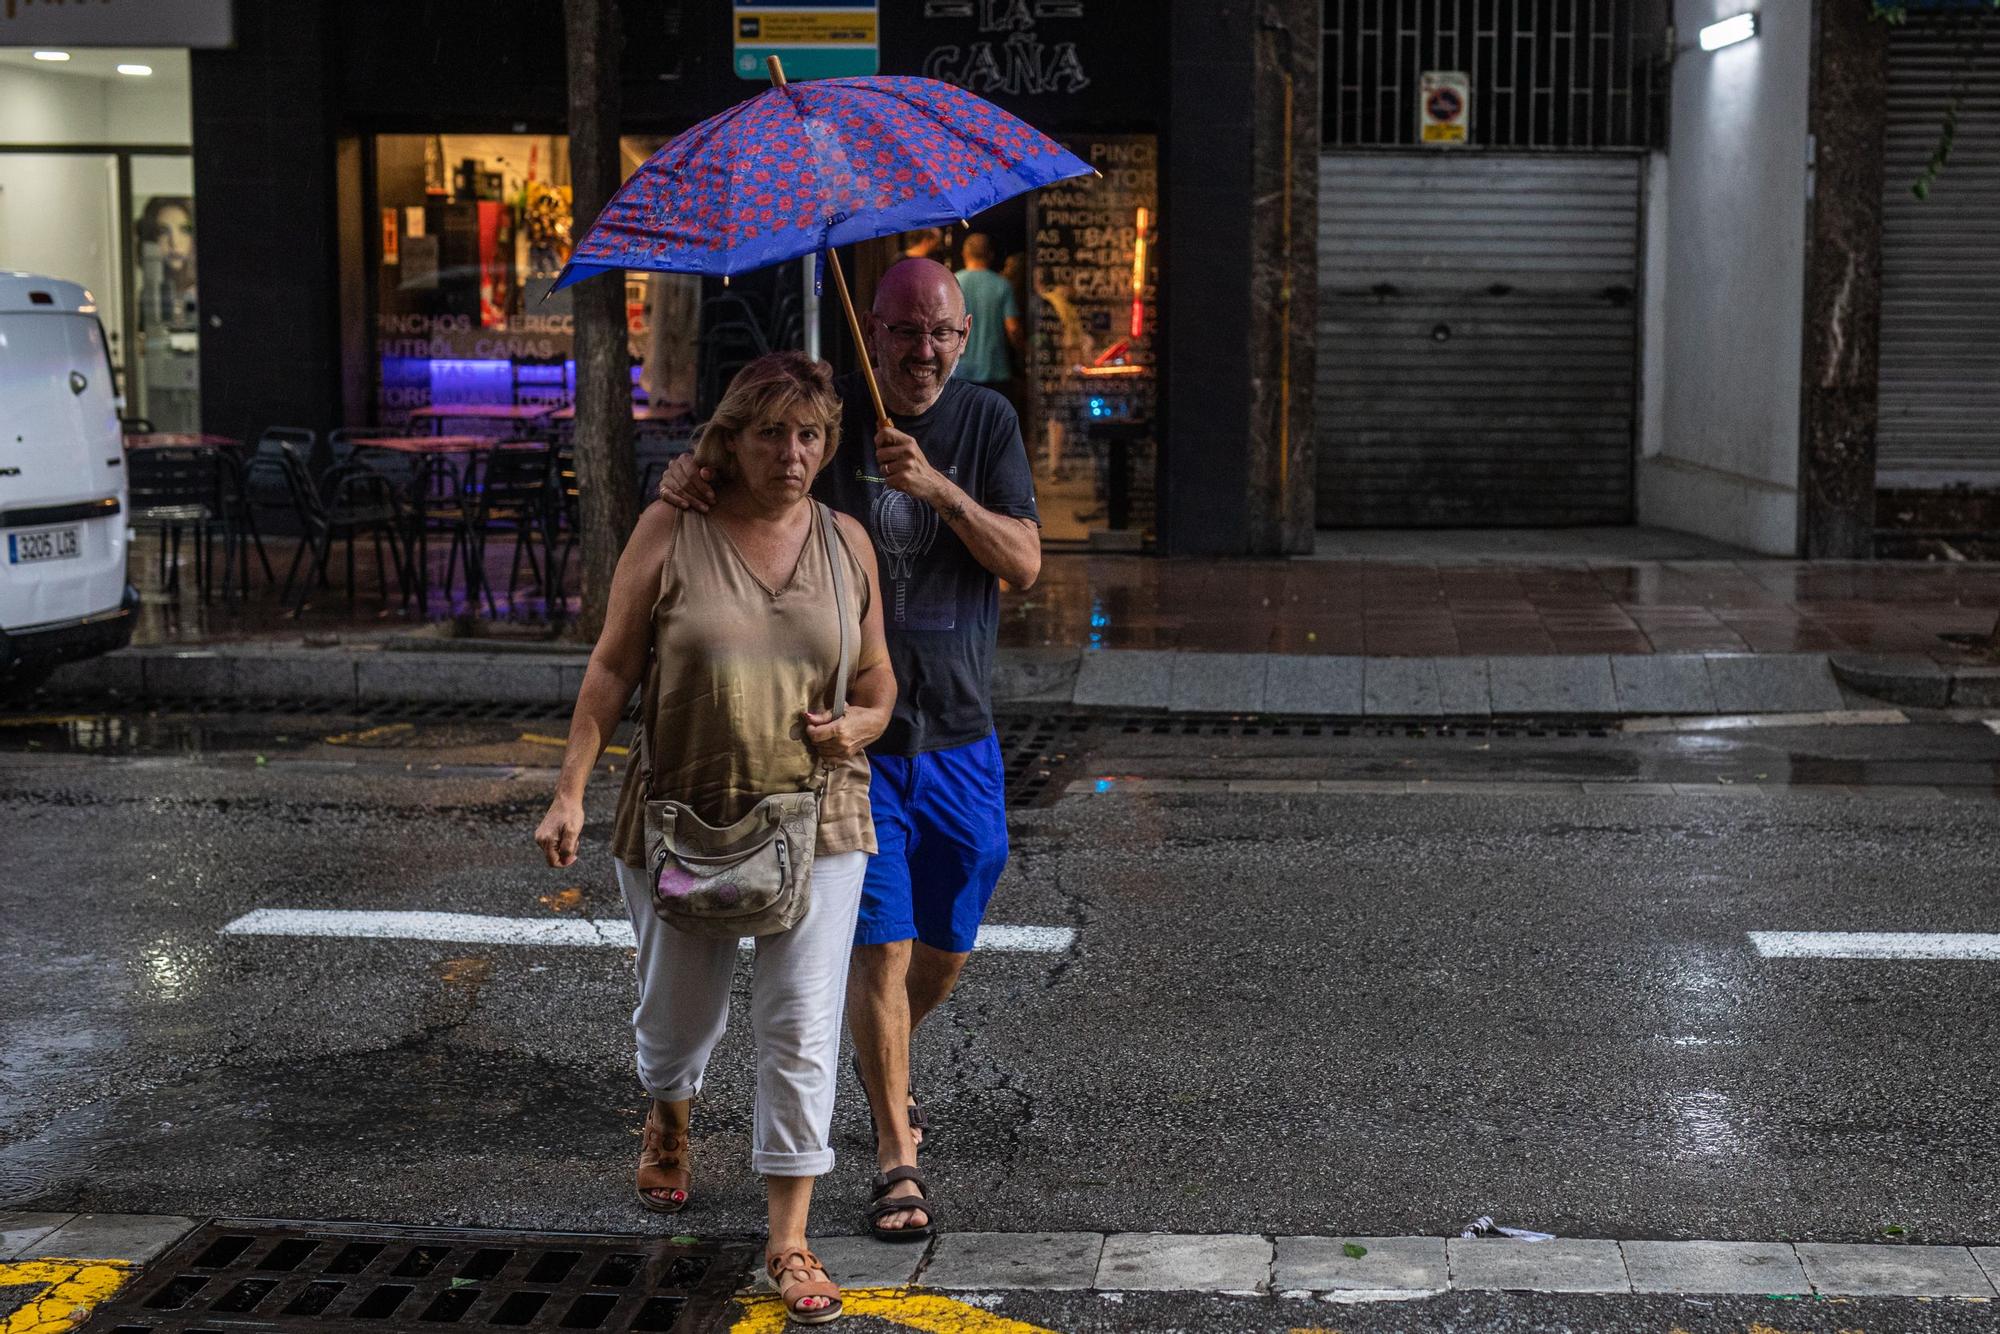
[1478, 339]
[285, 1277]
[1576, 74]
[1940, 366]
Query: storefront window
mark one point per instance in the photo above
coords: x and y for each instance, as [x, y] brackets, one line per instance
[119, 218]
[468, 237]
[1091, 427]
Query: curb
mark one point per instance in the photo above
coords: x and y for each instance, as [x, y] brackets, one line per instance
[1335, 1269]
[1917, 682]
[1317, 686]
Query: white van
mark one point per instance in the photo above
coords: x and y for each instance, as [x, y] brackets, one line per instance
[63, 530]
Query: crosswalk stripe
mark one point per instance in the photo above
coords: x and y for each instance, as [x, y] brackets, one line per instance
[1876, 944]
[461, 928]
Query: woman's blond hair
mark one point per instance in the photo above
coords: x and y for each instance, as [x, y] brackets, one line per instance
[774, 385]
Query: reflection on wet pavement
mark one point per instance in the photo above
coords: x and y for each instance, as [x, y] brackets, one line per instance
[1364, 606]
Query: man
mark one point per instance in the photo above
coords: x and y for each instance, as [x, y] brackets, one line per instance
[996, 319]
[949, 500]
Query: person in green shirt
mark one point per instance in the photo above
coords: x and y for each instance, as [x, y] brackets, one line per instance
[996, 318]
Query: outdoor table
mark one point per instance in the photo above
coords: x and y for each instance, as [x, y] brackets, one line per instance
[179, 440]
[429, 451]
[439, 413]
[649, 412]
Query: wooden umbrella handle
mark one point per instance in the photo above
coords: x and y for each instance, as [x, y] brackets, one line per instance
[777, 71]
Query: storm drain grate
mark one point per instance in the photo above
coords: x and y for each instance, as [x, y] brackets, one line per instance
[238, 1275]
[1038, 751]
[1162, 724]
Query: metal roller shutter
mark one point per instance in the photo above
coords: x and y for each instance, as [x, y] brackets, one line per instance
[1940, 369]
[1478, 339]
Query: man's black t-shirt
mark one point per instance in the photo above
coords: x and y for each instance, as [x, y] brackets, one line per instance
[940, 607]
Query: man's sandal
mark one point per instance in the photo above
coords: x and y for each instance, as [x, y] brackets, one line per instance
[804, 1287]
[881, 1205]
[663, 1165]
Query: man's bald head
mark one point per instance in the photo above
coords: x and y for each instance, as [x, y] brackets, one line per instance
[916, 300]
[910, 286]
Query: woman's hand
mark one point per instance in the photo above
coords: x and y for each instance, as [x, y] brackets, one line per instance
[842, 738]
[686, 486]
[559, 831]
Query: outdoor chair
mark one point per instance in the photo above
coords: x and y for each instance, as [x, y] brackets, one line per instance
[431, 488]
[240, 530]
[510, 496]
[172, 491]
[347, 503]
[564, 517]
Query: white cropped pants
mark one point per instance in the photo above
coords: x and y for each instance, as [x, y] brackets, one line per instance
[798, 996]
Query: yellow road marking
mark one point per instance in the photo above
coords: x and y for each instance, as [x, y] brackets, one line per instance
[925, 1311]
[70, 1290]
[544, 739]
[371, 734]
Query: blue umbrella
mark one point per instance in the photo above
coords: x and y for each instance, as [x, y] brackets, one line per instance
[805, 167]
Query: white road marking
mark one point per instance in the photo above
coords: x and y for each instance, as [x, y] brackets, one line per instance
[1993, 724]
[474, 929]
[1876, 944]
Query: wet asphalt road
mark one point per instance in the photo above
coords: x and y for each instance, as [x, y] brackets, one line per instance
[1332, 1013]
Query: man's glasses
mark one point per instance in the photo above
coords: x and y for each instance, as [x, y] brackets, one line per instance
[944, 336]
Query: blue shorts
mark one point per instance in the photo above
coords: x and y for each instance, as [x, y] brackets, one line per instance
[941, 826]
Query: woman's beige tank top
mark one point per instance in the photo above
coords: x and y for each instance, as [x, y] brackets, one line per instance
[735, 663]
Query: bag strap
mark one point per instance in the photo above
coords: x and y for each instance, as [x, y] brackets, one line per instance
[836, 552]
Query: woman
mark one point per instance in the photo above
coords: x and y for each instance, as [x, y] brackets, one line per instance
[729, 618]
[167, 225]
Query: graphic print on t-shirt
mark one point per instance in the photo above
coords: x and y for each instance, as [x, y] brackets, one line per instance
[905, 529]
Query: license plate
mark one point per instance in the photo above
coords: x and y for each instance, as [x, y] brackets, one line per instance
[44, 544]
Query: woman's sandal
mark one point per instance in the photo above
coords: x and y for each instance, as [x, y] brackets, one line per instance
[804, 1288]
[919, 1122]
[880, 1205]
[663, 1165]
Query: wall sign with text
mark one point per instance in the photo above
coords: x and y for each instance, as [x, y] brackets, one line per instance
[814, 39]
[195, 23]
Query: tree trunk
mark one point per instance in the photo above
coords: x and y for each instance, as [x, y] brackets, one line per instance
[607, 485]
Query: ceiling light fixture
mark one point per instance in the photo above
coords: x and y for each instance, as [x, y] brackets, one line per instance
[136, 70]
[1728, 32]
[57, 56]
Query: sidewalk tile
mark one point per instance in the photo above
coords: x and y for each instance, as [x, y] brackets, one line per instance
[1156, 1262]
[1537, 1266]
[1465, 688]
[863, 1262]
[1366, 787]
[1048, 1260]
[20, 1231]
[457, 676]
[1318, 1264]
[1553, 684]
[1400, 688]
[193, 674]
[1127, 679]
[1318, 684]
[1634, 789]
[1772, 683]
[322, 674]
[1893, 1271]
[1217, 683]
[1714, 1266]
[111, 1237]
[124, 672]
[1663, 683]
[1988, 1258]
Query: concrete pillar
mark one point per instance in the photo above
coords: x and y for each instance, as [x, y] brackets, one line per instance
[1236, 476]
[1843, 288]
